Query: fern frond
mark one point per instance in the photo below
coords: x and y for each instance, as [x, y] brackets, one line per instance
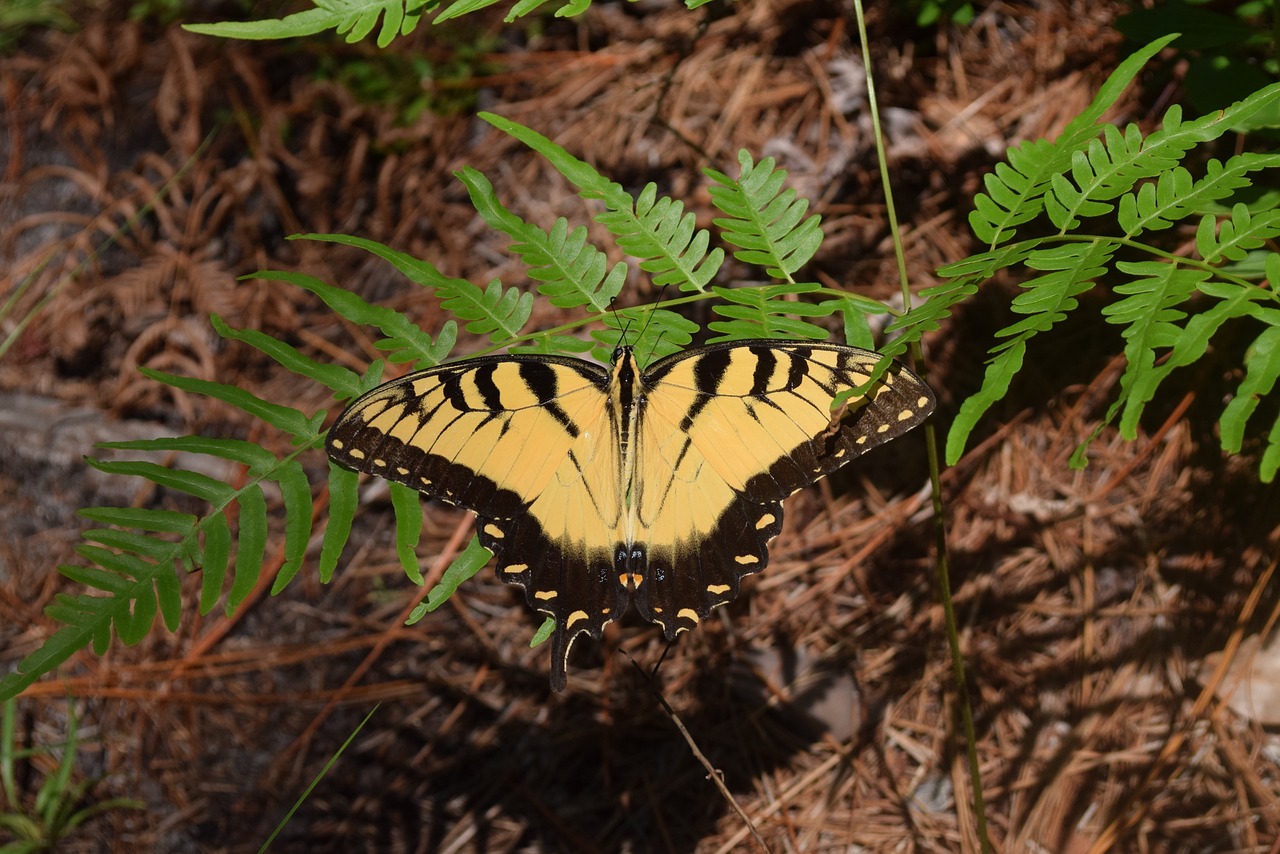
[1016, 190]
[656, 231]
[1175, 195]
[408, 511]
[1262, 370]
[135, 561]
[568, 270]
[493, 311]
[137, 572]
[404, 341]
[344, 498]
[496, 312]
[283, 418]
[1111, 168]
[354, 18]
[551, 343]
[1149, 314]
[987, 264]
[763, 312]
[928, 316]
[666, 240]
[336, 378]
[1045, 300]
[1234, 238]
[763, 219]
[1104, 170]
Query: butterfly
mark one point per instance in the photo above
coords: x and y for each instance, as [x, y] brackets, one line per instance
[600, 487]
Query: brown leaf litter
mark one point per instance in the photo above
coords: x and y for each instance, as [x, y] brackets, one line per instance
[1102, 611]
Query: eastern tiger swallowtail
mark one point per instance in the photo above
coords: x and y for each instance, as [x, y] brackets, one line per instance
[598, 487]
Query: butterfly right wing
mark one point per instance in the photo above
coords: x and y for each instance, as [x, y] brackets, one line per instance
[526, 443]
[731, 430]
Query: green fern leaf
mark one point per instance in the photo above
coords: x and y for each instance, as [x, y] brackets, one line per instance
[355, 18]
[524, 7]
[1071, 270]
[1156, 206]
[590, 183]
[126, 541]
[987, 264]
[405, 342]
[1149, 315]
[214, 561]
[1016, 190]
[853, 313]
[251, 548]
[766, 221]
[1233, 300]
[665, 239]
[295, 490]
[1102, 171]
[495, 312]
[762, 312]
[552, 343]
[159, 521]
[258, 459]
[1237, 236]
[1175, 196]
[568, 270]
[463, 7]
[407, 504]
[92, 576]
[283, 418]
[1045, 300]
[1262, 370]
[654, 230]
[473, 559]
[344, 498]
[928, 316]
[341, 381]
[201, 486]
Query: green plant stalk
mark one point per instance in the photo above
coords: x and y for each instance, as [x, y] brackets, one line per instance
[943, 571]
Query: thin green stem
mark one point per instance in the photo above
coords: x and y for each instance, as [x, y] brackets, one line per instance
[931, 442]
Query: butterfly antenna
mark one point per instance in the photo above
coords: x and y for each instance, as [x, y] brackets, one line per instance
[653, 309]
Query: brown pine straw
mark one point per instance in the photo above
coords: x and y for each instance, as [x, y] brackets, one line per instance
[1135, 804]
[297, 748]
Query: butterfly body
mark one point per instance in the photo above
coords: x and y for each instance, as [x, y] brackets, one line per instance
[597, 487]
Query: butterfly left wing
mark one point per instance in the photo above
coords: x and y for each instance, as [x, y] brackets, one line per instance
[526, 443]
[731, 430]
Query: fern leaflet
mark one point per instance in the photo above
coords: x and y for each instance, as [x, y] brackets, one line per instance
[763, 312]
[568, 270]
[1045, 300]
[1148, 314]
[765, 221]
[355, 18]
[1262, 370]
[1235, 237]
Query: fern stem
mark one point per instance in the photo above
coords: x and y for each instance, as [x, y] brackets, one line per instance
[943, 572]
